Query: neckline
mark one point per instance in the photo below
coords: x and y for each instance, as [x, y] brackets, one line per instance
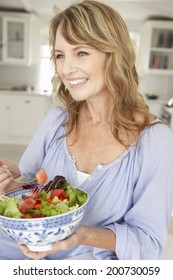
[108, 165]
[99, 165]
[83, 173]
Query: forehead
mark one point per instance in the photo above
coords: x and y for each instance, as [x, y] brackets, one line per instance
[60, 40]
[61, 43]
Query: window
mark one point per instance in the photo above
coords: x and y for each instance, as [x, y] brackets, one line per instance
[46, 69]
[136, 39]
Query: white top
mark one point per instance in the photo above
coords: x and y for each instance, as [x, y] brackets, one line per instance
[82, 177]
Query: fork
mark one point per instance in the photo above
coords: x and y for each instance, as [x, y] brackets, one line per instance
[57, 181]
[18, 177]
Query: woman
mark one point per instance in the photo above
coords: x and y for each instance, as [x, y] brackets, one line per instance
[104, 140]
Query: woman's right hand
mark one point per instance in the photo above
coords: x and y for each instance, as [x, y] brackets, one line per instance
[6, 182]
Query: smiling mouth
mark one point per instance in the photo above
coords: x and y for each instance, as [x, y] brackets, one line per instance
[78, 81]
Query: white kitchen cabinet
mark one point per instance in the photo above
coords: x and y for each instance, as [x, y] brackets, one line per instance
[20, 116]
[14, 39]
[4, 115]
[155, 106]
[26, 114]
[157, 47]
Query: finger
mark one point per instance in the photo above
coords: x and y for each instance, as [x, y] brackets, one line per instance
[4, 176]
[5, 164]
[4, 171]
[3, 161]
[33, 255]
[5, 180]
[8, 165]
[13, 186]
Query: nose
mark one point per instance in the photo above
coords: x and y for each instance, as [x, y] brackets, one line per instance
[69, 66]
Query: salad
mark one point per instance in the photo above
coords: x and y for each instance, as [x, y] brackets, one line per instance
[57, 197]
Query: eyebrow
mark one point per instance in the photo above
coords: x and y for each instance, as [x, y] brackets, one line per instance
[76, 48]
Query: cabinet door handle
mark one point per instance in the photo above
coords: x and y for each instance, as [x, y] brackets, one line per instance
[27, 101]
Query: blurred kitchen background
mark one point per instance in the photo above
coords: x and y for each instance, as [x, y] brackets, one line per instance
[26, 71]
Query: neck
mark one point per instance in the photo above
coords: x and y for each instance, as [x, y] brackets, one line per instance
[97, 111]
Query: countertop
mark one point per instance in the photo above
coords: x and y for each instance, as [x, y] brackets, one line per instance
[26, 93]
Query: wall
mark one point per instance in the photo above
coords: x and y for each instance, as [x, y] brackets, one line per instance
[159, 85]
[13, 75]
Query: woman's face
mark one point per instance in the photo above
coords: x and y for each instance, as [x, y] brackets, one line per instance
[81, 68]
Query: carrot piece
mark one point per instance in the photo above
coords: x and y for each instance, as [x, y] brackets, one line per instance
[27, 216]
[41, 177]
[48, 200]
[38, 206]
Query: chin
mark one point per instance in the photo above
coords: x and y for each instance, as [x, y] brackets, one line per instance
[79, 98]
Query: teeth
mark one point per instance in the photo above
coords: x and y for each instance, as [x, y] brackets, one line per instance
[79, 81]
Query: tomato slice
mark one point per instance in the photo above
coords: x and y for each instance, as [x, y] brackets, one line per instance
[41, 177]
[60, 193]
[26, 205]
[23, 207]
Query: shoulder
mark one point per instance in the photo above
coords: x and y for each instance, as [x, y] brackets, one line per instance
[158, 133]
[54, 118]
[153, 155]
[156, 139]
[57, 112]
[52, 125]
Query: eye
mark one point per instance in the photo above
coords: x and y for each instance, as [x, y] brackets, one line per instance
[59, 56]
[82, 53]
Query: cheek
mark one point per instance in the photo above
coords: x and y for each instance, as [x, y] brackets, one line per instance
[100, 66]
[58, 70]
[100, 73]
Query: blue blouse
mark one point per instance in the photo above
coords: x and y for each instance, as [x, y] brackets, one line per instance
[132, 196]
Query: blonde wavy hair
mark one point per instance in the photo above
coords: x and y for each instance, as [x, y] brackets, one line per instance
[100, 26]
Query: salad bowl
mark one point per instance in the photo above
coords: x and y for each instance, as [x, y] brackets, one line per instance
[39, 233]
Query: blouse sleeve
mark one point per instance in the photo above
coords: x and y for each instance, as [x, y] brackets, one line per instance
[50, 128]
[142, 234]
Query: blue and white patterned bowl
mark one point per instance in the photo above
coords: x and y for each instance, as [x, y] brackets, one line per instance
[39, 233]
